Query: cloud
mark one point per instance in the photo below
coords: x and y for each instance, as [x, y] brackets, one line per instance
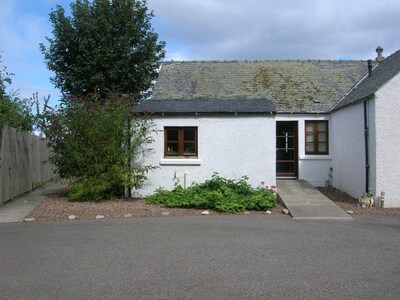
[218, 29]
[259, 29]
[22, 28]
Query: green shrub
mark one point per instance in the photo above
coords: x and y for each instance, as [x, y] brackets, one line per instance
[95, 188]
[95, 142]
[220, 194]
[41, 184]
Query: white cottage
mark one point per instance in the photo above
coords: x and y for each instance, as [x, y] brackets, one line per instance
[278, 119]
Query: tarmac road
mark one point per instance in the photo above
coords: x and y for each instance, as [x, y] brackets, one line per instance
[207, 257]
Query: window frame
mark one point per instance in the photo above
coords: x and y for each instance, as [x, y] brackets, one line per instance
[315, 142]
[181, 141]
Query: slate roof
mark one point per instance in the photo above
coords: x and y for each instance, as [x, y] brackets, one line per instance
[293, 86]
[168, 106]
[381, 74]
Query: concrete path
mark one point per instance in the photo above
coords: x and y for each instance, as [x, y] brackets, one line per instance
[305, 202]
[16, 210]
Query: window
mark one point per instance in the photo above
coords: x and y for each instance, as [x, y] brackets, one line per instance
[180, 141]
[317, 137]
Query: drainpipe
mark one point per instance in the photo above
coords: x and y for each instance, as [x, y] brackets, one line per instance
[129, 145]
[366, 134]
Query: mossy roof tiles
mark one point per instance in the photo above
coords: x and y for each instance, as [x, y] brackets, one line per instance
[309, 86]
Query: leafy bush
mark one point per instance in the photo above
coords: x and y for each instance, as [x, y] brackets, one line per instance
[14, 111]
[95, 142]
[220, 194]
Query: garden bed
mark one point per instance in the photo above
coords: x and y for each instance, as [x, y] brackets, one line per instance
[57, 207]
[346, 202]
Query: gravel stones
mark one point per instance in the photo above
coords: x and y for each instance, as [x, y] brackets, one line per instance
[59, 208]
[100, 217]
[285, 211]
[29, 219]
[71, 217]
[205, 212]
[165, 213]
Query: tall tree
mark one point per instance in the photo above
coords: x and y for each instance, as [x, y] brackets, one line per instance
[105, 45]
[105, 57]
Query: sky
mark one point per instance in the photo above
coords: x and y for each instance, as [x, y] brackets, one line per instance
[217, 30]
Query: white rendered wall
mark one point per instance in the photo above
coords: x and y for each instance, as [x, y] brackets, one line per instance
[388, 142]
[348, 151]
[312, 168]
[233, 146]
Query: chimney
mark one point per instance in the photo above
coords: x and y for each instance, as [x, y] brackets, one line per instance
[369, 67]
[379, 51]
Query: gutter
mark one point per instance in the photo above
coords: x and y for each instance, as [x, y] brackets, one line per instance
[204, 113]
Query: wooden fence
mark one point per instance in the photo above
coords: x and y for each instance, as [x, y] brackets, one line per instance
[23, 162]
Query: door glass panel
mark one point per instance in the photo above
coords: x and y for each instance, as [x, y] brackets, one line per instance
[285, 142]
[280, 142]
[291, 142]
[284, 167]
[285, 154]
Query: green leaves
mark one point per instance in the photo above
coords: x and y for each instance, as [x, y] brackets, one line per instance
[103, 46]
[220, 194]
[103, 50]
[14, 111]
[94, 140]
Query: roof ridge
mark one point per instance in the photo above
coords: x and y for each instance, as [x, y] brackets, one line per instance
[391, 55]
[264, 60]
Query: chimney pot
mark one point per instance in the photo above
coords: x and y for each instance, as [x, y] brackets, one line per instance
[379, 51]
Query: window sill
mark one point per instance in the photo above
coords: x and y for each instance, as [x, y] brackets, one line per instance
[180, 161]
[315, 157]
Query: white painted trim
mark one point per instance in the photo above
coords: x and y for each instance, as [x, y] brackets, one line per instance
[315, 157]
[180, 162]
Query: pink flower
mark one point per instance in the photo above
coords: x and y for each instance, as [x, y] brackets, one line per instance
[262, 183]
[273, 187]
[266, 186]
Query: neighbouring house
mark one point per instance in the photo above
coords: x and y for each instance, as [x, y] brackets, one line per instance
[327, 122]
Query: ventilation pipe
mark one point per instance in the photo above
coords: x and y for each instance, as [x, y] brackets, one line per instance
[369, 67]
